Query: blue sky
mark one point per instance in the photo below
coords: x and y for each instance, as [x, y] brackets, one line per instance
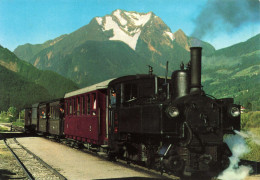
[36, 21]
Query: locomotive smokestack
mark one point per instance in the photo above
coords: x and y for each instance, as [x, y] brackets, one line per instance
[195, 53]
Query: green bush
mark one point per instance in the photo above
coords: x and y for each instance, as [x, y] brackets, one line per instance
[3, 129]
[19, 123]
[250, 120]
[4, 117]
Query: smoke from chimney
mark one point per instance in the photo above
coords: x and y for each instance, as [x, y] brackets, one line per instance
[226, 15]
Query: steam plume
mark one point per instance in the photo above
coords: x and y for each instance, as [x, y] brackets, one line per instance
[226, 15]
[249, 135]
[238, 146]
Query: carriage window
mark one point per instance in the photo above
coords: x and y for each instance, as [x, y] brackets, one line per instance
[83, 107]
[66, 108]
[70, 105]
[94, 101]
[74, 106]
[88, 104]
[60, 112]
[78, 105]
[42, 113]
[34, 113]
[130, 92]
[57, 111]
[51, 113]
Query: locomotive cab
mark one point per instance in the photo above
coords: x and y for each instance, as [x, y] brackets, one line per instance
[137, 115]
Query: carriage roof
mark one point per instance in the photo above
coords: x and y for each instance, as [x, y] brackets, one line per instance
[101, 85]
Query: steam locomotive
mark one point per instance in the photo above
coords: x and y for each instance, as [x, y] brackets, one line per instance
[167, 124]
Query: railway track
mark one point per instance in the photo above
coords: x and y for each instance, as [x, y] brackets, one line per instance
[33, 166]
[39, 173]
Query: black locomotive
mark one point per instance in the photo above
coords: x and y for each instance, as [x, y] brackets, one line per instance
[171, 124]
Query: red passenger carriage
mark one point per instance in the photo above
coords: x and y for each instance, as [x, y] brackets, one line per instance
[86, 114]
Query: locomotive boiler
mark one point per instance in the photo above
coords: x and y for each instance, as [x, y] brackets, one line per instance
[171, 124]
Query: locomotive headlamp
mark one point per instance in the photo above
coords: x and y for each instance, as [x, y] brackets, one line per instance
[234, 111]
[173, 111]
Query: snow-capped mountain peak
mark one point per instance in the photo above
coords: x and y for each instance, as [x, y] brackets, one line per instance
[126, 26]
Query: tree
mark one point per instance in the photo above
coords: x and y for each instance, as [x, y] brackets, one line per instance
[249, 106]
[12, 113]
[22, 114]
[3, 115]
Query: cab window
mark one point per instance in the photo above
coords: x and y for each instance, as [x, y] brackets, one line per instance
[115, 95]
[130, 92]
[146, 90]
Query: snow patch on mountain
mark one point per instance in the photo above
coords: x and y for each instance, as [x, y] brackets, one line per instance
[120, 34]
[117, 14]
[169, 34]
[99, 20]
[137, 19]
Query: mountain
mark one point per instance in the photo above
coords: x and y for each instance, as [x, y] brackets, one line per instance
[28, 51]
[235, 72]
[23, 84]
[125, 42]
[18, 92]
[133, 39]
[250, 46]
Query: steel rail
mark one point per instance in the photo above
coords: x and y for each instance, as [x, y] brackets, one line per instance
[42, 162]
[27, 172]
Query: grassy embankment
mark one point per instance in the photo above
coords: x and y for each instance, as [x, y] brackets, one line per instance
[250, 124]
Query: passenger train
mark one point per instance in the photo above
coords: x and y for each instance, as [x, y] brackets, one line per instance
[168, 124]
